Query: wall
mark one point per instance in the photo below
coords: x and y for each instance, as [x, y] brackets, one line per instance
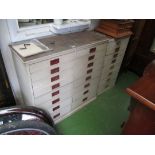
[8, 61]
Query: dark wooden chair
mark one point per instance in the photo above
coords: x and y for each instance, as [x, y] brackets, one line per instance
[142, 117]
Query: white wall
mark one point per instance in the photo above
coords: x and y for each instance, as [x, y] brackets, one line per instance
[8, 61]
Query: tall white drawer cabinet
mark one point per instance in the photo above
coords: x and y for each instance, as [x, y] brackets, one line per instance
[65, 76]
[112, 62]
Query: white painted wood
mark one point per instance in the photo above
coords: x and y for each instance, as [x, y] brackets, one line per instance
[76, 86]
[74, 110]
[112, 62]
[66, 58]
[5, 40]
[24, 81]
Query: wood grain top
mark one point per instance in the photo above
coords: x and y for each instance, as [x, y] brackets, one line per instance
[64, 43]
[144, 89]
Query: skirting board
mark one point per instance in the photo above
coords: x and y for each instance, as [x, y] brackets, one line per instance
[75, 110]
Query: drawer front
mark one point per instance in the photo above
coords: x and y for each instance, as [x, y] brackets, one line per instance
[77, 82]
[90, 72]
[106, 84]
[51, 71]
[117, 45]
[79, 77]
[113, 58]
[110, 70]
[64, 78]
[66, 91]
[49, 104]
[61, 112]
[92, 49]
[53, 62]
[44, 77]
[87, 78]
[86, 89]
[82, 99]
[62, 93]
[58, 109]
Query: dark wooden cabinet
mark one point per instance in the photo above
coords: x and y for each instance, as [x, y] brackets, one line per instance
[6, 95]
[138, 54]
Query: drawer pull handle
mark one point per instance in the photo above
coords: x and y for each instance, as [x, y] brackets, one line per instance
[55, 93]
[113, 61]
[90, 64]
[117, 49]
[86, 85]
[112, 67]
[56, 86]
[55, 116]
[55, 78]
[85, 99]
[56, 108]
[89, 71]
[92, 50]
[88, 78]
[55, 70]
[86, 92]
[55, 61]
[115, 55]
[55, 101]
[91, 57]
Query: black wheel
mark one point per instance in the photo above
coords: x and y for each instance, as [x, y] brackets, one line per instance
[26, 128]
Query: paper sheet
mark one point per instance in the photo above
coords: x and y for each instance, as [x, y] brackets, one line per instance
[31, 49]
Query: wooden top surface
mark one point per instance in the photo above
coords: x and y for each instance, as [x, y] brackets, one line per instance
[67, 42]
[144, 89]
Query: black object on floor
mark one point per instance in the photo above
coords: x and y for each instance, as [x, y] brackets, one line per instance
[27, 120]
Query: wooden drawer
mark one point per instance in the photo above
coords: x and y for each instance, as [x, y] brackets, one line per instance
[62, 93]
[52, 62]
[51, 71]
[93, 71]
[64, 78]
[106, 84]
[58, 109]
[49, 104]
[65, 91]
[79, 81]
[81, 100]
[81, 66]
[62, 111]
[87, 78]
[117, 45]
[112, 59]
[110, 70]
[92, 49]
[85, 91]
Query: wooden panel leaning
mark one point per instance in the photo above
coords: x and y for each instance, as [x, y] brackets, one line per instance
[142, 118]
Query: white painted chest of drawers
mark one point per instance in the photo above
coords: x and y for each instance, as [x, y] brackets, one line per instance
[62, 80]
